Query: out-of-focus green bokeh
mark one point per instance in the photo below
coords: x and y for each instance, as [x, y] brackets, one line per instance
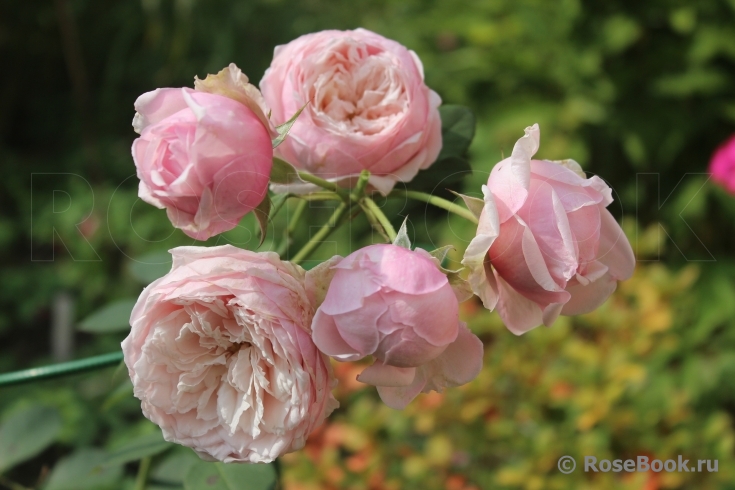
[639, 93]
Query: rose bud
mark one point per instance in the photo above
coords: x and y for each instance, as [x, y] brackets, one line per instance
[203, 156]
[396, 305]
[545, 243]
[221, 356]
[367, 107]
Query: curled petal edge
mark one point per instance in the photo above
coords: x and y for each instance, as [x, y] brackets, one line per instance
[475, 256]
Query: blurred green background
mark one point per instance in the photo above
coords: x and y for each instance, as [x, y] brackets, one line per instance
[637, 92]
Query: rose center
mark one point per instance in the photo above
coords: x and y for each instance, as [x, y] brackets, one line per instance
[235, 347]
[356, 88]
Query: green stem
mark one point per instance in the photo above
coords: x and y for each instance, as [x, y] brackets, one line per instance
[279, 472]
[320, 235]
[142, 478]
[333, 221]
[62, 369]
[320, 196]
[324, 184]
[295, 218]
[283, 247]
[381, 217]
[436, 201]
[360, 186]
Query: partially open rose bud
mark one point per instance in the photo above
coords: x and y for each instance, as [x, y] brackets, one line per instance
[545, 243]
[396, 305]
[205, 157]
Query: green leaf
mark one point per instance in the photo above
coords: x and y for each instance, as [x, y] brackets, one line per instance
[461, 288]
[114, 317]
[277, 203]
[138, 448]
[474, 204]
[284, 128]
[83, 470]
[124, 391]
[458, 129]
[283, 172]
[451, 166]
[27, 433]
[231, 476]
[174, 466]
[261, 213]
[444, 173]
[402, 239]
[150, 266]
[441, 253]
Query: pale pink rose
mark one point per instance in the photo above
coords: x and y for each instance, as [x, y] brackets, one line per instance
[204, 157]
[221, 356]
[396, 305]
[545, 243]
[722, 165]
[368, 107]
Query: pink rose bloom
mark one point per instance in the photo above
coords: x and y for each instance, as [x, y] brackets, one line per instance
[722, 165]
[221, 356]
[204, 157]
[545, 243]
[396, 305]
[368, 107]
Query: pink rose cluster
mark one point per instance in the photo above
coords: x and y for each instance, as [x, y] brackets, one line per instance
[230, 353]
[205, 154]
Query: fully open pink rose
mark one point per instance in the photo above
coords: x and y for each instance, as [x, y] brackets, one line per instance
[545, 243]
[722, 165]
[396, 305]
[368, 107]
[204, 157]
[221, 356]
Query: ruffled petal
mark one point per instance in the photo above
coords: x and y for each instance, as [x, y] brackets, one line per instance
[476, 255]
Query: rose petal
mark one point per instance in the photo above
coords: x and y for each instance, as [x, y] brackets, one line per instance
[509, 179]
[379, 374]
[518, 313]
[590, 297]
[615, 250]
